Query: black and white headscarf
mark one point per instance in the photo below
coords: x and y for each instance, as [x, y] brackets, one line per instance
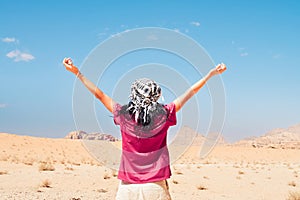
[144, 96]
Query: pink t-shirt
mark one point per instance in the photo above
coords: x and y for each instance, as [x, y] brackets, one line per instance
[145, 156]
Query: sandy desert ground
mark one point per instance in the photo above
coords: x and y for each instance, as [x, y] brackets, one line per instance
[43, 168]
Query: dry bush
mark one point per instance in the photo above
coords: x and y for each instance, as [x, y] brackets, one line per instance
[75, 163]
[3, 172]
[84, 161]
[28, 161]
[114, 173]
[99, 164]
[46, 183]
[91, 162]
[294, 195]
[106, 176]
[178, 172]
[69, 168]
[14, 159]
[207, 162]
[241, 172]
[4, 158]
[292, 183]
[201, 187]
[46, 166]
[295, 174]
[102, 190]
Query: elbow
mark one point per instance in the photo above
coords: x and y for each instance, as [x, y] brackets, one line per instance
[98, 94]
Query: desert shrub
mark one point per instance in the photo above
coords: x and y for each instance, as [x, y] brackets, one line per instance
[46, 183]
[292, 183]
[3, 172]
[201, 187]
[46, 166]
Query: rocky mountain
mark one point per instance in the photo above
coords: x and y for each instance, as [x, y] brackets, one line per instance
[276, 138]
[81, 135]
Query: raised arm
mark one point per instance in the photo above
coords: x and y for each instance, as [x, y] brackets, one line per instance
[106, 100]
[180, 101]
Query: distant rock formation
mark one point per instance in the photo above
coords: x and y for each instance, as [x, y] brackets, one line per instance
[81, 135]
[76, 135]
[277, 138]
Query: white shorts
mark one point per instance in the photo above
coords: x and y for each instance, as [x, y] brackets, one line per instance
[144, 191]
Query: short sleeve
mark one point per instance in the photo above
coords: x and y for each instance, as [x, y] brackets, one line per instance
[172, 120]
[116, 112]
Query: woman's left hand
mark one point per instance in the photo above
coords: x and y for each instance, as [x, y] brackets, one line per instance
[69, 66]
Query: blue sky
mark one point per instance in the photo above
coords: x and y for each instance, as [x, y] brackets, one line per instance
[258, 40]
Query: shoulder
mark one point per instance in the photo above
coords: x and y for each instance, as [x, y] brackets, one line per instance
[119, 111]
[118, 107]
[171, 110]
[170, 107]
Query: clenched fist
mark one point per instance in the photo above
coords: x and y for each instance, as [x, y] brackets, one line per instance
[70, 67]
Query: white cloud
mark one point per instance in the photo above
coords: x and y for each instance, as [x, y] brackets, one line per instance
[244, 54]
[195, 23]
[19, 56]
[9, 40]
[3, 105]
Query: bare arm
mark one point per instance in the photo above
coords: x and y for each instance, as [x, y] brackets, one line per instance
[180, 101]
[105, 99]
[99, 94]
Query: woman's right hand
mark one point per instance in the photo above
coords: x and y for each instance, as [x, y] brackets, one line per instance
[219, 69]
[70, 67]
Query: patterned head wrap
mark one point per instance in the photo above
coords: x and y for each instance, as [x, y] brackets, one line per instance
[144, 96]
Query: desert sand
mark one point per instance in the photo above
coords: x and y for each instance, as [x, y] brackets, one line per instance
[44, 168]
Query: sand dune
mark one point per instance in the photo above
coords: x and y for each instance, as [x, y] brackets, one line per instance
[43, 168]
